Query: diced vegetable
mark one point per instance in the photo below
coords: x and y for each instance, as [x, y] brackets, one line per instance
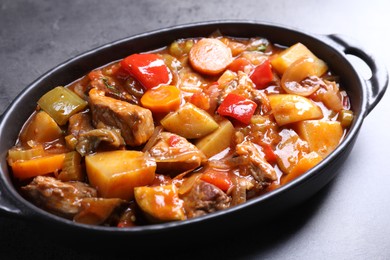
[218, 140]
[116, 173]
[162, 99]
[345, 118]
[188, 183]
[41, 129]
[210, 56]
[71, 142]
[330, 96]
[322, 136]
[20, 154]
[61, 103]
[290, 150]
[38, 166]
[288, 56]
[181, 47]
[148, 68]
[220, 179]
[307, 162]
[161, 203]
[236, 47]
[269, 153]
[190, 122]
[237, 107]
[200, 100]
[289, 108]
[300, 69]
[262, 75]
[240, 64]
[175, 154]
[71, 170]
[95, 211]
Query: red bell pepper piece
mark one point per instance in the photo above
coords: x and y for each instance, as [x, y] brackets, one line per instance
[148, 68]
[262, 75]
[218, 178]
[269, 153]
[237, 107]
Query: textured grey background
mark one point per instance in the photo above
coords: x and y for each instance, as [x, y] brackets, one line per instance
[347, 220]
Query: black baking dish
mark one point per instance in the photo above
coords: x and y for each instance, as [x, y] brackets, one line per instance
[364, 95]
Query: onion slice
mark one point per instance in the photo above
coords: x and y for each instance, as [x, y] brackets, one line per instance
[295, 73]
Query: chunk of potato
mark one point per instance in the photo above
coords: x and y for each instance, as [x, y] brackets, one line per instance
[290, 108]
[218, 140]
[322, 136]
[41, 129]
[304, 164]
[189, 122]
[115, 174]
[288, 56]
[161, 203]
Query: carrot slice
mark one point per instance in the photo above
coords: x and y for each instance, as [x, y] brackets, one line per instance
[210, 56]
[37, 166]
[162, 99]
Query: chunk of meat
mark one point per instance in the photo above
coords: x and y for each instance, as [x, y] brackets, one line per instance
[80, 123]
[204, 198]
[174, 154]
[135, 123]
[60, 198]
[256, 164]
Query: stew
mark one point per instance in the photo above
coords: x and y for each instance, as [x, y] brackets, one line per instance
[199, 126]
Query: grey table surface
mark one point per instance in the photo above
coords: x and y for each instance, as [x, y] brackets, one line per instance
[348, 219]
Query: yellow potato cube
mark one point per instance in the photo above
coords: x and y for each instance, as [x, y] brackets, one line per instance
[161, 203]
[290, 108]
[322, 136]
[217, 141]
[189, 122]
[288, 56]
[115, 174]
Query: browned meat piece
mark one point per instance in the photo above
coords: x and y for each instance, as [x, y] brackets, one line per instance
[79, 123]
[135, 122]
[60, 198]
[256, 165]
[204, 198]
[174, 154]
[97, 211]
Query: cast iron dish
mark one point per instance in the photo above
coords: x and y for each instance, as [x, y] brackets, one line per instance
[364, 95]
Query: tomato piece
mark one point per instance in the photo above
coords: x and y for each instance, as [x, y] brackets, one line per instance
[262, 75]
[148, 68]
[200, 100]
[240, 64]
[237, 107]
[220, 179]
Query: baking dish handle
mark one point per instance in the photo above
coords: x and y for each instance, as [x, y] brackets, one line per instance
[377, 84]
[8, 205]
